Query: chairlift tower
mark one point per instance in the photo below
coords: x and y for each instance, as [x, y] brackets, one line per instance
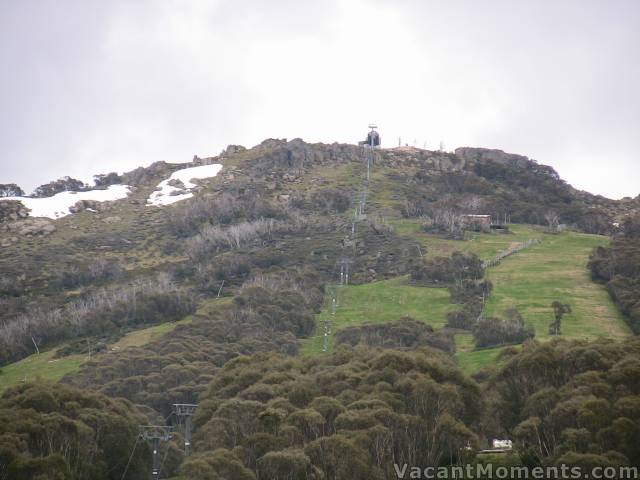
[344, 270]
[334, 298]
[327, 323]
[184, 413]
[154, 434]
[359, 200]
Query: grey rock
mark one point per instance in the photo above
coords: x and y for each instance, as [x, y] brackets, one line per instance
[33, 227]
[82, 205]
[473, 155]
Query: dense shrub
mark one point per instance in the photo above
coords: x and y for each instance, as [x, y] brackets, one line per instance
[466, 317]
[97, 313]
[10, 190]
[491, 331]
[12, 286]
[231, 268]
[405, 333]
[443, 221]
[307, 282]
[99, 270]
[618, 266]
[571, 402]
[447, 270]
[525, 191]
[352, 414]
[49, 431]
[330, 200]
[284, 312]
[213, 238]
[63, 184]
[596, 222]
[190, 217]
[469, 290]
[176, 368]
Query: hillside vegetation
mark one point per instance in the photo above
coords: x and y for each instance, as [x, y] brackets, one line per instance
[226, 300]
[528, 281]
[618, 266]
[556, 269]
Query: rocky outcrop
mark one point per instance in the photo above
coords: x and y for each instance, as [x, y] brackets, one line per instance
[91, 205]
[31, 227]
[471, 155]
[14, 222]
[147, 175]
[417, 157]
[232, 149]
[275, 156]
[12, 210]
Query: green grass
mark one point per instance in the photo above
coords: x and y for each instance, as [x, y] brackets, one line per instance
[42, 366]
[485, 245]
[556, 269]
[529, 281]
[471, 360]
[147, 335]
[383, 301]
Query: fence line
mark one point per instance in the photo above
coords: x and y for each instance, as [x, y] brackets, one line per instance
[504, 254]
[498, 259]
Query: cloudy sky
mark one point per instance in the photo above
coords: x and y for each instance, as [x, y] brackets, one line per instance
[92, 86]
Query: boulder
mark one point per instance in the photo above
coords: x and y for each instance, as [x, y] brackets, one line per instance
[85, 205]
[231, 149]
[32, 227]
[12, 210]
[176, 183]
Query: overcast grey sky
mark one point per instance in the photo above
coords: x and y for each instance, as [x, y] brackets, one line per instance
[92, 86]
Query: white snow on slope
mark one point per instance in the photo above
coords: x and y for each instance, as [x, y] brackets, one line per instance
[168, 194]
[58, 205]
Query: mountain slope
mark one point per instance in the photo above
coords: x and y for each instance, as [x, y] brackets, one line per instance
[168, 304]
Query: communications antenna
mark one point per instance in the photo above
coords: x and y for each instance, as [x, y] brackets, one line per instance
[373, 141]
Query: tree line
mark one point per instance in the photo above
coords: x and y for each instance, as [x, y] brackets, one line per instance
[618, 267]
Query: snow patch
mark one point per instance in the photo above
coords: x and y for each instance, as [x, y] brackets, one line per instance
[171, 191]
[58, 205]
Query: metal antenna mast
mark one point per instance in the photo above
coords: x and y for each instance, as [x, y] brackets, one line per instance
[184, 413]
[154, 434]
[374, 141]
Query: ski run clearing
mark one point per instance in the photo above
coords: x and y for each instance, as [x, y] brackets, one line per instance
[58, 205]
[178, 186]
